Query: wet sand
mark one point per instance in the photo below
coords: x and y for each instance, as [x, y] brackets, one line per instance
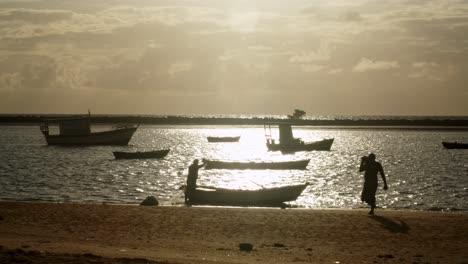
[91, 233]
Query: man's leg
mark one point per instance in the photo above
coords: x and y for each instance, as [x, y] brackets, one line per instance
[372, 204]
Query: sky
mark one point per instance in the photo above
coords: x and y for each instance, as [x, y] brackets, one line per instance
[234, 57]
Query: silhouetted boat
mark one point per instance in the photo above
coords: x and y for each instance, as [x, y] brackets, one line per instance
[261, 197]
[157, 154]
[281, 165]
[455, 145]
[287, 143]
[223, 139]
[77, 131]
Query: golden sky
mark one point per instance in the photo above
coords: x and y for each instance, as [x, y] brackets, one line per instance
[334, 57]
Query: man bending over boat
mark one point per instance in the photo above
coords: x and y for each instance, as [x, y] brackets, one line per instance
[371, 168]
[192, 178]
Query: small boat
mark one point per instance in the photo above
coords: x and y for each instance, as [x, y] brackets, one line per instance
[455, 145]
[77, 132]
[282, 165]
[324, 144]
[287, 143]
[231, 197]
[223, 139]
[157, 154]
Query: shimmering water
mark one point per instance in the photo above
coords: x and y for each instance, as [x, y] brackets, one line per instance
[421, 173]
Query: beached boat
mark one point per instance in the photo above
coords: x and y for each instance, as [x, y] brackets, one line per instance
[223, 139]
[287, 143]
[280, 165]
[77, 131]
[157, 154]
[455, 145]
[260, 197]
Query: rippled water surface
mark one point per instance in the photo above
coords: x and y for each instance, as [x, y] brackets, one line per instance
[421, 173]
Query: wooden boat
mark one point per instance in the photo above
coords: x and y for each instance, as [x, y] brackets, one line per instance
[223, 139]
[324, 144]
[157, 154]
[261, 197]
[77, 131]
[455, 145]
[283, 165]
[287, 143]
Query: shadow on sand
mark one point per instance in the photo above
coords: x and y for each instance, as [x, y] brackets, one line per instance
[392, 225]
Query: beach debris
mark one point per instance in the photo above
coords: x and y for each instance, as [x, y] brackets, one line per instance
[278, 245]
[150, 200]
[386, 256]
[245, 247]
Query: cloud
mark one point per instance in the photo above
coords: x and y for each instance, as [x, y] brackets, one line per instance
[10, 81]
[424, 64]
[27, 72]
[228, 48]
[179, 67]
[352, 16]
[428, 70]
[312, 68]
[369, 65]
[322, 54]
[335, 71]
[34, 16]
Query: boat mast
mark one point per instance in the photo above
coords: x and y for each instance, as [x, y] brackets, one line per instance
[267, 128]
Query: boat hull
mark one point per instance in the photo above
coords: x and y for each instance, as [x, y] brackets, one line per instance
[262, 197]
[113, 137]
[317, 145]
[285, 165]
[158, 154]
[455, 145]
[223, 139]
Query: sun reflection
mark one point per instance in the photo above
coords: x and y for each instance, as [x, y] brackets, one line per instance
[248, 180]
[250, 148]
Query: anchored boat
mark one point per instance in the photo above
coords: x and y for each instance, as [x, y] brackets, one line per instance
[157, 154]
[223, 139]
[234, 165]
[77, 131]
[287, 143]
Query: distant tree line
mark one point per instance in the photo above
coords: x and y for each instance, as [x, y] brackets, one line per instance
[181, 120]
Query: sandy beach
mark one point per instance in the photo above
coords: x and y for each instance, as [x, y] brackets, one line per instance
[94, 233]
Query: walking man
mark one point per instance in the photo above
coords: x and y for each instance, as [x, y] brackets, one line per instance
[371, 168]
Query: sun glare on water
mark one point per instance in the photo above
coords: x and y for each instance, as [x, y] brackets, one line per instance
[250, 148]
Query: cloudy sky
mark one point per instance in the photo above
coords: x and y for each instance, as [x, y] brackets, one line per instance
[334, 57]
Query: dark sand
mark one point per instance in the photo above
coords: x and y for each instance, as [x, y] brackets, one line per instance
[84, 233]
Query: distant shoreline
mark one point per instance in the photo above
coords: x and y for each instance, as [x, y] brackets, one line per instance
[383, 123]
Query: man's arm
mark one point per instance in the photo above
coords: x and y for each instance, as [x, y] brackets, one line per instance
[362, 167]
[382, 173]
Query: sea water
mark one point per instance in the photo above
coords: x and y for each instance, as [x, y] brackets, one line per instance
[421, 174]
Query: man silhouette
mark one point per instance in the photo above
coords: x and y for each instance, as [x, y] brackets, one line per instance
[371, 168]
[192, 178]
